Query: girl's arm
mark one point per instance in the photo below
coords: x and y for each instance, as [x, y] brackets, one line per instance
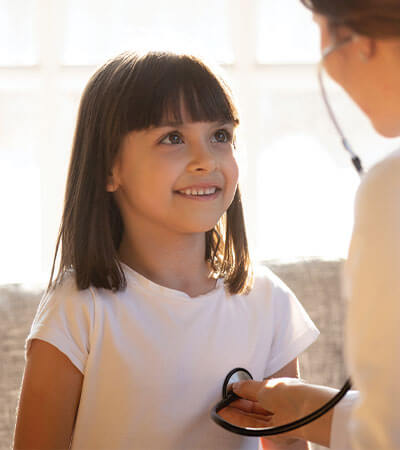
[49, 399]
[290, 370]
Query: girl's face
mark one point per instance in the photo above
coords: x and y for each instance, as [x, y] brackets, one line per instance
[180, 177]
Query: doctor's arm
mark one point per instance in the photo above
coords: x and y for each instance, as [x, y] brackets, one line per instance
[291, 370]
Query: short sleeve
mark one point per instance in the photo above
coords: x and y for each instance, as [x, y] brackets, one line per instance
[64, 319]
[294, 331]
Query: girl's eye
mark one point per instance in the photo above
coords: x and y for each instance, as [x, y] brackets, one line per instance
[222, 136]
[172, 139]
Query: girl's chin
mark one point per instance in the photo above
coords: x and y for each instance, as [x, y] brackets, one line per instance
[199, 228]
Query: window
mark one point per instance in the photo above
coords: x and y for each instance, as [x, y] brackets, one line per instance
[285, 34]
[18, 46]
[97, 29]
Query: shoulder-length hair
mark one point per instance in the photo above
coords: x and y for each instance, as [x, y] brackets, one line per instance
[133, 93]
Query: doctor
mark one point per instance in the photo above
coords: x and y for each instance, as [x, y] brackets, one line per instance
[366, 63]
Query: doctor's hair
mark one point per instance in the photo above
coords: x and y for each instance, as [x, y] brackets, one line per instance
[132, 92]
[377, 19]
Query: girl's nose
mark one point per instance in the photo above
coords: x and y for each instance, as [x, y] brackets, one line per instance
[202, 158]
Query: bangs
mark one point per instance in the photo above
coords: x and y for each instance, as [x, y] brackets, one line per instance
[165, 86]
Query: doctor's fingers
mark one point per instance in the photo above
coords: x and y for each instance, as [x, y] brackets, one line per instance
[249, 406]
[241, 418]
[272, 394]
[248, 389]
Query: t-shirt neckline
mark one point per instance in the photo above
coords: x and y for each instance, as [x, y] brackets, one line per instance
[141, 280]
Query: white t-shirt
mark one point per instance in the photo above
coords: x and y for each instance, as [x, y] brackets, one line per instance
[154, 359]
[373, 324]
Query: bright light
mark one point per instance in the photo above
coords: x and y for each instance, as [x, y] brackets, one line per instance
[305, 201]
[20, 229]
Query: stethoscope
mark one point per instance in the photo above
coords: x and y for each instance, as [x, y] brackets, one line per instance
[240, 374]
[354, 158]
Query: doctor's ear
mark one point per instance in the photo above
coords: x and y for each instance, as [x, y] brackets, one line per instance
[366, 47]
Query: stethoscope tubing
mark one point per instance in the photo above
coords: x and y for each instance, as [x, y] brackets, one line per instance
[356, 161]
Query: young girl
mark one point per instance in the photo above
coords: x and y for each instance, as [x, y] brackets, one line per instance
[154, 302]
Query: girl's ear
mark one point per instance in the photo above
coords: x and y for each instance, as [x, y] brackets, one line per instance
[113, 179]
[111, 185]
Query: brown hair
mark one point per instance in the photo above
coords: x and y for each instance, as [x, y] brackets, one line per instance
[374, 18]
[132, 92]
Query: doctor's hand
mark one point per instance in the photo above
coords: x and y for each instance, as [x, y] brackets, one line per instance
[246, 413]
[249, 413]
[284, 398]
[289, 399]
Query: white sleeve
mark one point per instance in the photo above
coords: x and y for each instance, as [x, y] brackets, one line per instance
[373, 326]
[340, 431]
[64, 319]
[294, 330]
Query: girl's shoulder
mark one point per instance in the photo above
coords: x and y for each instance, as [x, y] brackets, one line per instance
[266, 282]
[67, 286]
[65, 319]
[66, 296]
[273, 296]
[264, 275]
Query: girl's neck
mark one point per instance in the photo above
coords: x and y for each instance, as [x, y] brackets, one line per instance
[170, 260]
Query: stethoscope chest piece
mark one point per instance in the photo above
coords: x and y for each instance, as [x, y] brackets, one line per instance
[234, 376]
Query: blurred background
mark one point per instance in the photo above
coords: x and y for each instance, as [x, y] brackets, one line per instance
[297, 181]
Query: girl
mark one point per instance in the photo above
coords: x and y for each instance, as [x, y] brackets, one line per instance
[154, 301]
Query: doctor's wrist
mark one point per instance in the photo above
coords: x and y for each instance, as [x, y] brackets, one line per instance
[314, 397]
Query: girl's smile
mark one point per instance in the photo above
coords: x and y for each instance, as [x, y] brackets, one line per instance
[200, 192]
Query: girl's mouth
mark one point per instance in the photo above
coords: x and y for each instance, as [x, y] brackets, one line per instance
[199, 193]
